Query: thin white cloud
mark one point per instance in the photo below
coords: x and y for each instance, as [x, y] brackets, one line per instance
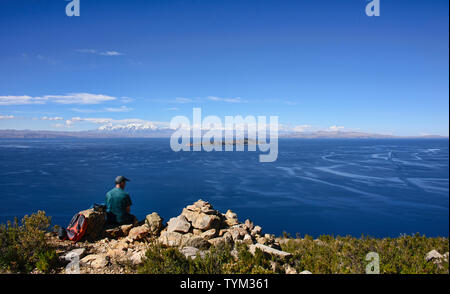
[172, 109]
[85, 110]
[126, 100]
[183, 100]
[228, 100]
[6, 117]
[52, 118]
[111, 53]
[20, 100]
[119, 109]
[103, 53]
[71, 98]
[91, 51]
[335, 128]
[301, 128]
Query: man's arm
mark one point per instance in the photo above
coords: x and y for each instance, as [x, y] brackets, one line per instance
[128, 203]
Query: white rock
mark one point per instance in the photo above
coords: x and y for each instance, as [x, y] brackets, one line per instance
[433, 255]
[267, 249]
[290, 270]
[191, 252]
[178, 224]
[305, 273]
[71, 255]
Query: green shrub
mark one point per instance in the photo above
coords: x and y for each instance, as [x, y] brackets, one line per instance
[401, 255]
[23, 247]
[159, 260]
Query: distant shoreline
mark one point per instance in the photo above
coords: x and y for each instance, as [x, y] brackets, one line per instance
[164, 134]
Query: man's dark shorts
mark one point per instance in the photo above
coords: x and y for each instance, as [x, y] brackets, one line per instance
[127, 219]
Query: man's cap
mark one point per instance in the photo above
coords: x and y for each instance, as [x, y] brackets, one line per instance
[121, 179]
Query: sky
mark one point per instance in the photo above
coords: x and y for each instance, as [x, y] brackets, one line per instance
[317, 65]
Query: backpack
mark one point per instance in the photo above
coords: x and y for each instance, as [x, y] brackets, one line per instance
[77, 227]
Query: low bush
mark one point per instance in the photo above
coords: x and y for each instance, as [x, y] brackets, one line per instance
[401, 255]
[23, 247]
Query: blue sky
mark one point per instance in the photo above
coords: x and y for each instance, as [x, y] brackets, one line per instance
[316, 64]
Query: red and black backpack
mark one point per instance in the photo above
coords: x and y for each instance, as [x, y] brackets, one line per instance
[77, 227]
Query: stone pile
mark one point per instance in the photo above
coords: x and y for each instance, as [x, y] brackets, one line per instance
[200, 226]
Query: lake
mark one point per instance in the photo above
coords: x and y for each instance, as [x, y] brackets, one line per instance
[377, 187]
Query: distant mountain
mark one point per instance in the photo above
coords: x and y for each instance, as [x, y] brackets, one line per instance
[113, 133]
[140, 131]
[347, 135]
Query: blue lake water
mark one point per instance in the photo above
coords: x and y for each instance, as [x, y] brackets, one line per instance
[377, 187]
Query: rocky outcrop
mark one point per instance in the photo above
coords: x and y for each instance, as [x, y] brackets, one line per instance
[196, 229]
[95, 223]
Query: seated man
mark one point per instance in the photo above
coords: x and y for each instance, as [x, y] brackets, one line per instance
[118, 204]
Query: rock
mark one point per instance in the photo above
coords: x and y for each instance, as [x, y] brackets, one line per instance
[273, 265]
[116, 253]
[248, 239]
[154, 222]
[209, 234]
[139, 233]
[190, 214]
[197, 232]
[136, 257]
[118, 232]
[269, 237]
[256, 231]
[219, 241]
[189, 252]
[231, 222]
[222, 232]
[268, 250]
[227, 236]
[192, 252]
[275, 246]
[305, 273]
[248, 224]
[236, 234]
[178, 224]
[195, 241]
[235, 254]
[203, 207]
[206, 221]
[73, 254]
[261, 240]
[290, 270]
[231, 215]
[433, 255]
[319, 242]
[170, 238]
[95, 224]
[202, 204]
[95, 261]
[125, 229]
